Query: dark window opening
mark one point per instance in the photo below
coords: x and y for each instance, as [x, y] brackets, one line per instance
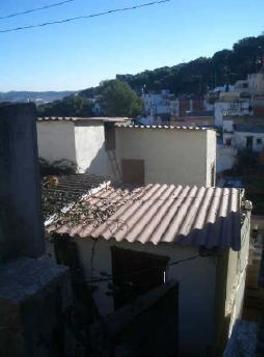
[228, 142]
[213, 175]
[133, 171]
[259, 141]
[110, 143]
[249, 143]
[135, 273]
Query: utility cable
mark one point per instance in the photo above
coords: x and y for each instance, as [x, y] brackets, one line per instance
[110, 276]
[36, 9]
[82, 17]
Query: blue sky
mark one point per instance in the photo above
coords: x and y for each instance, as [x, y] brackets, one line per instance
[81, 54]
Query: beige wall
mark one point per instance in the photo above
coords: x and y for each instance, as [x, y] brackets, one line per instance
[56, 140]
[171, 156]
[81, 142]
[196, 287]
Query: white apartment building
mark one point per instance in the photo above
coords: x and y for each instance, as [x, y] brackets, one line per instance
[160, 104]
[231, 108]
[243, 136]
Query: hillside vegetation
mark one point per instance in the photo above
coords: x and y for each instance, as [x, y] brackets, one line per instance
[196, 77]
[192, 78]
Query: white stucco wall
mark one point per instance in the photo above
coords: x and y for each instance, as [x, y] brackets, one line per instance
[211, 158]
[82, 142]
[228, 125]
[196, 287]
[91, 156]
[220, 109]
[226, 157]
[170, 156]
[230, 106]
[240, 140]
[56, 140]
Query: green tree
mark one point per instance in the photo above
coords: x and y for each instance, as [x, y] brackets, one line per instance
[74, 105]
[118, 99]
[194, 77]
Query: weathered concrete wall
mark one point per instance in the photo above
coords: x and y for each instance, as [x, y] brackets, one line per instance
[34, 291]
[236, 276]
[34, 295]
[91, 155]
[211, 158]
[21, 229]
[196, 287]
[56, 140]
[170, 156]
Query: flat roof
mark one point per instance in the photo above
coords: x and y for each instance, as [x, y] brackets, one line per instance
[172, 127]
[249, 128]
[103, 119]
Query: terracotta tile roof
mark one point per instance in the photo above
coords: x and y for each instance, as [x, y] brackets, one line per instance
[178, 127]
[209, 217]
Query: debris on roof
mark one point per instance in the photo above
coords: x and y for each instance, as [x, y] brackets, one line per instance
[59, 192]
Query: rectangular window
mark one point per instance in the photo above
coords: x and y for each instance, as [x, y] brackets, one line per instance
[259, 141]
[110, 142]
[133, 171]
[228, 142]
[249, 143]
[135, 273]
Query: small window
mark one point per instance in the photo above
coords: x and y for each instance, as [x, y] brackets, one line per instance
[249, 143]
[109, 136]
[228, 142]
[259, 141]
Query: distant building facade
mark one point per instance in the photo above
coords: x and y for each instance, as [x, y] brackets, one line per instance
[244, 137]
[166, 106]
[159, 104]
[245, 98]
